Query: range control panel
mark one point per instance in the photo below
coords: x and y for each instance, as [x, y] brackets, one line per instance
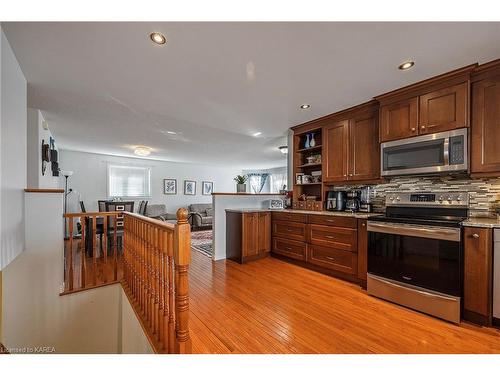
[454, 199]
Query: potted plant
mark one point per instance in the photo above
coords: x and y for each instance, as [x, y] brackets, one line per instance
[241, 187]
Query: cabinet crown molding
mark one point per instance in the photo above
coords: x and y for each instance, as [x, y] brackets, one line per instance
[431, 84]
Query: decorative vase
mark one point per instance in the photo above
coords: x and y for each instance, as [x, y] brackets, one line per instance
[307, 145]
[241, 188]
[312, 142]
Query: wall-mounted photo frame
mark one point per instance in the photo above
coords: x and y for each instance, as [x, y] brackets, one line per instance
[189, 187]
[170, 186]
[207, 188]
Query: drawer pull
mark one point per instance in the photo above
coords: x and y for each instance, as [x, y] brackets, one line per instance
[330, 258]
[289, 230]
[331, 237]
[475, 235]
[289, 248]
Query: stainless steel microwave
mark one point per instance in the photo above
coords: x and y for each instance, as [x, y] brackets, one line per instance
[436, 153]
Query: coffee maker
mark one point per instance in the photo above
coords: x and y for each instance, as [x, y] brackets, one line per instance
[365, 200]
[335, 201]
[352, 202]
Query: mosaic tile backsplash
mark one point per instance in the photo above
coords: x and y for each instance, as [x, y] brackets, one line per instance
[484, 193]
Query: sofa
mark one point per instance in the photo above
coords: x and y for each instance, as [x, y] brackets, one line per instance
[159, 211]
[201, 215]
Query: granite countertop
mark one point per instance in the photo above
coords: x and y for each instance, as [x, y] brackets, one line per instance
[484, 222]
[357, 215]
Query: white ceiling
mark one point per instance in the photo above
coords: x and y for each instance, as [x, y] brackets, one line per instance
[104, 87]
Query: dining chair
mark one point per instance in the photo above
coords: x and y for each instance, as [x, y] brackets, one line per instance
[118, 223]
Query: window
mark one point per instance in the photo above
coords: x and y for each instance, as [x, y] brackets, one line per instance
[130, 182]
[278, 180]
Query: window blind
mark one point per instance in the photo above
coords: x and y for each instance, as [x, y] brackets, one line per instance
[130, 182]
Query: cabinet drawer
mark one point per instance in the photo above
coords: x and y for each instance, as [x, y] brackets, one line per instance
[287, 216]
[332, 258]
[289, 230]
[337, 221]
[289, 248]
[336, 237]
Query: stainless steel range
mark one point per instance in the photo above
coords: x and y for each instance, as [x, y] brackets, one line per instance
[415, 253]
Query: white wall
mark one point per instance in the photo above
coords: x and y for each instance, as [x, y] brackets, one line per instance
[36, 133]
[33, 312]
[90, 178]
[133, 340]
[13, 99]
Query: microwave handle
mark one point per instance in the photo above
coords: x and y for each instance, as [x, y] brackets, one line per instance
[446, 151]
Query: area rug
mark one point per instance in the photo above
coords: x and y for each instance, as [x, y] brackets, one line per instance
[202, 241]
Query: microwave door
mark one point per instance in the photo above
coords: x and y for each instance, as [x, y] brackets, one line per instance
[415, 157]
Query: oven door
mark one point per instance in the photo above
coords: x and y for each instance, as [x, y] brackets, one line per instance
[426, 154]
[425, 256]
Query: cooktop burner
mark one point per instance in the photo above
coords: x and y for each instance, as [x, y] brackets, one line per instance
[426, 208]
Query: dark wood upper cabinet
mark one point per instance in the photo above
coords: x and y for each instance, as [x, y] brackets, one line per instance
[335, 151]
[478, 257]
[364, 147]
[399, 120]
[485, 128]
[444, 109]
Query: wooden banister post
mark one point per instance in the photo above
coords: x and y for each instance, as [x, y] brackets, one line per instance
[182, 258]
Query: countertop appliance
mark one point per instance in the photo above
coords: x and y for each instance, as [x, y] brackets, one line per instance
[436, 153]
[496, 277]
[352, 201]
[365, 200]
[415, 253]
[335, 201]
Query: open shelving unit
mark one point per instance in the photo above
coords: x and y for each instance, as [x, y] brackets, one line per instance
[302, 165]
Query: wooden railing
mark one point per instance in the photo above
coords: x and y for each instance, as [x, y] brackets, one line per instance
[151, 261]
[156, 261]
[81, 244]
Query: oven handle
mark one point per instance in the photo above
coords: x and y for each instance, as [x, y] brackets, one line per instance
[447, 234]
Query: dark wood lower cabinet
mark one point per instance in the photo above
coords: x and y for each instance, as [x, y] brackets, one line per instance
[248, 235]
[362, 251]
[478, 263]
[333, 258]
[324, 243]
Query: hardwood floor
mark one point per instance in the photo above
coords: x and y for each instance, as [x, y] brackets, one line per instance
[270, 306]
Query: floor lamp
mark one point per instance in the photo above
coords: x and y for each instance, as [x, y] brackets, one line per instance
[66, 175]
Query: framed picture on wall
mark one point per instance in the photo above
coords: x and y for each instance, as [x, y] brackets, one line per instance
[169, 186]
[207, 188]
[189, 187]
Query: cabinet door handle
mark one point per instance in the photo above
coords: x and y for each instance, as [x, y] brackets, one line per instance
[413, 129]
[350, 174]
[363, 225]
[422, 127]
[475, 235]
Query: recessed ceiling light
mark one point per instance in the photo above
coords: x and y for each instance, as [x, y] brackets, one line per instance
[305, 106]
[158, 38]
[142, 151]
[171, 132]
[283, 149]
[406, 65]
[256, 134]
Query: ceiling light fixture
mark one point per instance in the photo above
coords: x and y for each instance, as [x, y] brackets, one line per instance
[283, 149]
[171, 132]
[256, 134]
[305, 106]
[158, 38]
[406, 65]
[142, 151]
